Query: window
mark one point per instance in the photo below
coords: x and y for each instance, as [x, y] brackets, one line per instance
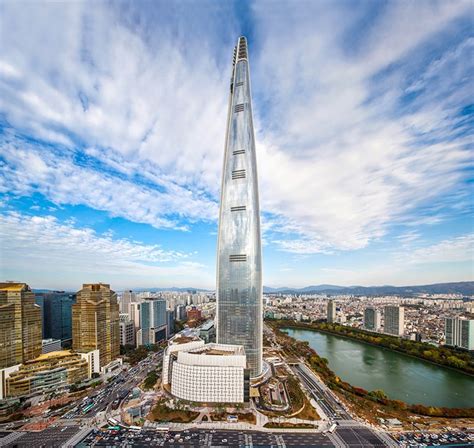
[238, 174]
[239, 107]
[238, 84]
[237, 258]
[238, 151]
[239, 208]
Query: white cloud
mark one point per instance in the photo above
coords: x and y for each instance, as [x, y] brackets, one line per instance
[342, 161]
[31, 169]
[72, 252]
[338, 165]
[450, 250]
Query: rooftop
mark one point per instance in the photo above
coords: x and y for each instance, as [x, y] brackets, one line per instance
[14, 286]
[219, 350]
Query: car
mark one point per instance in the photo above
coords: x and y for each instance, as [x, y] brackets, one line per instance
[224, 440]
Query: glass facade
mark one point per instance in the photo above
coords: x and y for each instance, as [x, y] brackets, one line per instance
[57, 314]
[239, 260]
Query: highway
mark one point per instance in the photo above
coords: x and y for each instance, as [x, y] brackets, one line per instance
[319, 392]
[349, 432]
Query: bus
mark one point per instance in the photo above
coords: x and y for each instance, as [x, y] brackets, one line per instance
[88, 408]
[135, 428]
[332, 428]
[113, 421]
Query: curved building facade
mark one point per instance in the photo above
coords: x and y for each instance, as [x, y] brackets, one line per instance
[239, 259]
[209, 373]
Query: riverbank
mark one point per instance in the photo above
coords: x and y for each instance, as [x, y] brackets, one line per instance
[462, 362]
[371, 404]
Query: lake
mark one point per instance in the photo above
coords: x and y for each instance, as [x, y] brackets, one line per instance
[400, 376]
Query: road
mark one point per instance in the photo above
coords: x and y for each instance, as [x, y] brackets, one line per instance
[116, 389]
[349, 432]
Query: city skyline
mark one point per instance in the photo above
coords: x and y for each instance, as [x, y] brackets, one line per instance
[110, 170]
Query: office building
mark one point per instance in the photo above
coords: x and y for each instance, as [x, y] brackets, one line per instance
[239, 256]
[207, 332]
[152, 321]
[394, 320]
[170, 322]
[331, 312]
[127, 332]
[209, 373]
[95, 322]
[50, 372]
[20, 324]
[57, 315]
[459, 332]
[180, 312]
[372, 319]
[194, 314]
[127, 298]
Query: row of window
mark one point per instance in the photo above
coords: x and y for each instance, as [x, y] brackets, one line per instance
[237, 258]
[239, 107]
[239, 208]
[238, 174]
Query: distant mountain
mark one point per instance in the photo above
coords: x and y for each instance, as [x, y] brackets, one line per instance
[464, 288]
[173, 289]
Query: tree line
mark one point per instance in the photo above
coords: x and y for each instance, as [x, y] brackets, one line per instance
[320, 365]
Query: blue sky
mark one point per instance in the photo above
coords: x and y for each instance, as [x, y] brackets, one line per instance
[112, 121]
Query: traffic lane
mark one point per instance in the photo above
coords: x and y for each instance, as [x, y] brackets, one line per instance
[318, 395]
[360, 437]
[326, 395]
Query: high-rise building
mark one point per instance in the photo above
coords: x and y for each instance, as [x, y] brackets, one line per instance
[394, 320]
[331, 311]
[57, 315]
[180, 312]
[239, 260]
[459, 332]
[127, 332]
[152, 321]
[20, 324]
[170, 322]
[95, 322]
[372, 319]
[127, 298]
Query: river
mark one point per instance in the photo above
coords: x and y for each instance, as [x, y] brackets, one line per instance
[400, 376]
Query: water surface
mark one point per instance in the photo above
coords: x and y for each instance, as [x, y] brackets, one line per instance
[400, 376]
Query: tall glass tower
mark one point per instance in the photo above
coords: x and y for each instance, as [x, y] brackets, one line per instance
[239, 258]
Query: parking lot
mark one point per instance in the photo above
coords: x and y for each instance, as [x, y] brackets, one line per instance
[454, 439]
[51, 437]
[200, 438]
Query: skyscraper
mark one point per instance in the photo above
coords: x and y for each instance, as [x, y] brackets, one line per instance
[331, 312]
[20, 324]
[459, 332]
[95, 322]
[239, 259]
[372, 319]
[57, 314]
[152, 323]
[394, 323]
